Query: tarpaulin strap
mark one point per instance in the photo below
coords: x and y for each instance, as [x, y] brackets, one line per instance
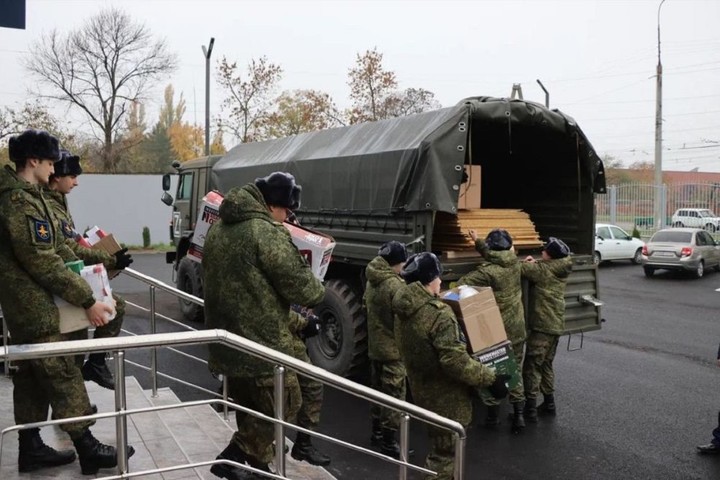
[508, 114]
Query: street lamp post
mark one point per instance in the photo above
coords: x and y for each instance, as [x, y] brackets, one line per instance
[659, 210]
[206, 53]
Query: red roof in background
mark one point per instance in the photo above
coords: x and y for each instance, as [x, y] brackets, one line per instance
[691, 177]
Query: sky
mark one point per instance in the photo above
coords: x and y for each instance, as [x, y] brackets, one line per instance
[597, 58]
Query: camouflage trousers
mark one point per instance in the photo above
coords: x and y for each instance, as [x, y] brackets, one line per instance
[311, 392]
[110, 330]
[517, 394]
[255, 436]
[441, 457]
[538, 373]
[389, 378]
[51, 382]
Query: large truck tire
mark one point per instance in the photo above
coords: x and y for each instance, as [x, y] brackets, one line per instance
[341, 346]
[189, 280]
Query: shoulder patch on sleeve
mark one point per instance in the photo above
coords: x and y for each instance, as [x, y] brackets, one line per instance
[67, 230]
[40, 231]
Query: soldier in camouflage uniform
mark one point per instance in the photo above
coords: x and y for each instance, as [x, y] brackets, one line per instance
[439, 368]
[32, 270]
[61, 183]
[712, 448]
[501, 271]
[387, 372]
[311, 391]
[252, 274]
[547, 322]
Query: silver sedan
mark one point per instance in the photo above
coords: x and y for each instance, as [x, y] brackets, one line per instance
[686, 249]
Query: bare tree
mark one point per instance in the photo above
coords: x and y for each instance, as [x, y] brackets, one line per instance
[30, 115]
[101, 68]
[249, 97]
[411, 101]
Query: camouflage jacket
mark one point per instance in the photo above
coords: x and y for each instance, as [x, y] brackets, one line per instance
[438, 366]
[547, 310]
[32, 262]
[295, 324]
[382, 284]
[502, 273]
[64, 224]
[252, 274]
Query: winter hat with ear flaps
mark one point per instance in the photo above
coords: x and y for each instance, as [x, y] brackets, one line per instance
[423, 267]
[556, 248]
[279, 189]
[498, 239]
[37, 144]
[69, 165]
[393, 252]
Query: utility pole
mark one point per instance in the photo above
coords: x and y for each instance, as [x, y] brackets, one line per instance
[659, 210]
[206, 53]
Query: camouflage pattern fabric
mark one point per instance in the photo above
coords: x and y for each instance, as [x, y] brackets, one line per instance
[64, 224]
[311, 391]
[502, 273]
[389, 378]
[439, 368]
[255, 436]
[548, 277]
[252, 274]
[538, 373]
[382, 284]
[441, 457]
[32, 268]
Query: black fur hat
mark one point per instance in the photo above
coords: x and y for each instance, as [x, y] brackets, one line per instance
[556, 248]
[423, 267]
[498, 239]
[68, 166]
[279, 189]
[37, 144]
[394, 252]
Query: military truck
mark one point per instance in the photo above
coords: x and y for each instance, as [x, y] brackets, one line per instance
[394, 179]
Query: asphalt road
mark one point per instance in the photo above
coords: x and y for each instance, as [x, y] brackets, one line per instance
[633, 401]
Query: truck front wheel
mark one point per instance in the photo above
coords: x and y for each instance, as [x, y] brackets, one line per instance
[189, 280]
[341, 346]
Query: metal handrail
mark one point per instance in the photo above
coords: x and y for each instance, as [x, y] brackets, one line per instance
[120, 344]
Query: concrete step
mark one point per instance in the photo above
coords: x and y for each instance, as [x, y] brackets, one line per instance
[202, 434]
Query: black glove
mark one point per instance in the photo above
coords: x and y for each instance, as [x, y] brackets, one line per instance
[122, 259]
[499, 388]
[312, 328]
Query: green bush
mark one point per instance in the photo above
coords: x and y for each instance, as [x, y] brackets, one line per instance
[146, 237]
[636, 232]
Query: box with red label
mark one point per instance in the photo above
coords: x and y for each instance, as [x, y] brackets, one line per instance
[316, 247]
[208, 214]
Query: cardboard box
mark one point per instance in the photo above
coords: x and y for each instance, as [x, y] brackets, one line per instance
[316, 247]
[109, 245]
[479, 317]
[470, 191]
[501, 359]
[73, 318]
[208, 214]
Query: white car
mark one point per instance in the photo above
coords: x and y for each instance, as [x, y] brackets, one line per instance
[614, 243]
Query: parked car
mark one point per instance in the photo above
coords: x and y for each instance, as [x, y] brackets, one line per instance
[614, 243]
[696, 218]
[686, 249]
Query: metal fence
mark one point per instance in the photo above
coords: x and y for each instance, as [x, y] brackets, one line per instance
[632, 205]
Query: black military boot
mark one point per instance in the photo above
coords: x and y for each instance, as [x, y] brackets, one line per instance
[96, 370]
[531, 414]
[709, 449]
[518, 420]
[236, 454]
[376, 437]
[548, 405]
[491, 419]
[95, 455]
[304, 450]
[34, 454]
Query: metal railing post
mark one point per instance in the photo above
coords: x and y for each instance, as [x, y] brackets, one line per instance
[6, 363]
[225, 396]
[279, 391]
[404, 447]
[153, 351]
[120, 406]
[459, 457]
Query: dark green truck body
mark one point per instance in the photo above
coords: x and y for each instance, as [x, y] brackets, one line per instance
[374, 182]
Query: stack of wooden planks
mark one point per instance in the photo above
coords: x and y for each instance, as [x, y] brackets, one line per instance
[450, 231]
